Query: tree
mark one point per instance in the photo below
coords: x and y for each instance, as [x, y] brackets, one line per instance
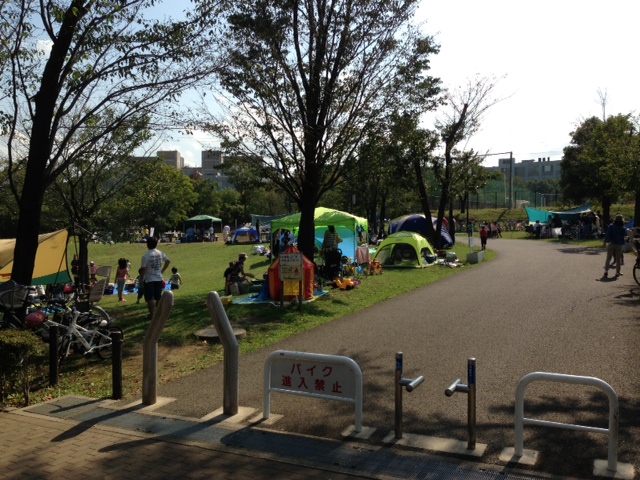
[461, 119]
[66, 63]
[601, 161]
[88, 188]
[309, 81]
[159, 196]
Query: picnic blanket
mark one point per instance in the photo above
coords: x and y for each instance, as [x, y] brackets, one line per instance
[257, 299]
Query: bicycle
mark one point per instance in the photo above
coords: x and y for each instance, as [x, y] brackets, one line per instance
[15, 303]
[636, 270]
[93, 335]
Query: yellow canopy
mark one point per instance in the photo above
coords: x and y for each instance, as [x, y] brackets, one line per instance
[51, 259]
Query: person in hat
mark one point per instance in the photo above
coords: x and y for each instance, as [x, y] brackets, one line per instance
[614, 239]
[238, 275]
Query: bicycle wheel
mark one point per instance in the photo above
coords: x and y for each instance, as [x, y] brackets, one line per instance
[636, 271]
[101, 313]
[105, 350]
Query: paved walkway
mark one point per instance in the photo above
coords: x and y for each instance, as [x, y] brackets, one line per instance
[37, 447]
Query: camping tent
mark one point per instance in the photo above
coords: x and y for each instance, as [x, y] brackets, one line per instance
[246, 235]
[291, 289]
[565, 215]
[205, 221]
[417, 222]
[405, 249]
[51, 259]
[345, 223]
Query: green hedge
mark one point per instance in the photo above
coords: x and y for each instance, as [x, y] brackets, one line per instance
[20, 353]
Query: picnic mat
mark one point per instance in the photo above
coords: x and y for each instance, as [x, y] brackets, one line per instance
[256, 300]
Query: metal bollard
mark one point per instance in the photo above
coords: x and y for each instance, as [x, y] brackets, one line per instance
[410, 385]
[116, 364]
[470, 390]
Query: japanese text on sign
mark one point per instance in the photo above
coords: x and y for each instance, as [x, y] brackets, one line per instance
[313, 377]
[291, 266]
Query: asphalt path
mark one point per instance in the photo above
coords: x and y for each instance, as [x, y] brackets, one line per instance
[539, 306]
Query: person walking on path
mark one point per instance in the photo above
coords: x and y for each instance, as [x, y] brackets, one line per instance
[614, 239]
[154, 263]
[484, 234]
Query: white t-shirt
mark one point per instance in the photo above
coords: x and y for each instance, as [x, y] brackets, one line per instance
[153, 261]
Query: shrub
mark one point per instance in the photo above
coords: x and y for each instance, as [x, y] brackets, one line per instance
[20, 352]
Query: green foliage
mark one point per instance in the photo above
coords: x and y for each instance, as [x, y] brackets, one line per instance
[310, 84]
[79, 71]
[20, 353]
[601, 163]
[158, 196]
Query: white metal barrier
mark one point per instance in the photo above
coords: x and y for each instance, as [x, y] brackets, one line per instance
[614, 411]
[330, 377]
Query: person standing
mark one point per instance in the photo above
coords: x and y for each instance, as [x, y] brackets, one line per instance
[331, 239]
[484, 234]
[175, 280]
[75, 269]
[154, 263]
[226, 231]
[122, 273]
[259, 230]
[614, 239]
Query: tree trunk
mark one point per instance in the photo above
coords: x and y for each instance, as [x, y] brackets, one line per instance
[307, 234]
[30, 207]
[424, 202]
[40, 145]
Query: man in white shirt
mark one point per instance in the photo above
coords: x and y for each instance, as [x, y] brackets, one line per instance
[153, 265]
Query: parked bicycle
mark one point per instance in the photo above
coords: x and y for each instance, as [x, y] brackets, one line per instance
[82, 333]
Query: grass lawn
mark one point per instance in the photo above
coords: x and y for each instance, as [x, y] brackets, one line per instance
[201, 266]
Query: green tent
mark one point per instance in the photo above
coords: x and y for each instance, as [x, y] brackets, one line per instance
[405, 249]
[205, 221]
[345, 223]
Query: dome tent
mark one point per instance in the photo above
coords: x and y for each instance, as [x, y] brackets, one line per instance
[246, 235]
[404, 249]
[417, 222]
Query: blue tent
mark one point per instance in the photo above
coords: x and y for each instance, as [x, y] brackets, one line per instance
[417, 222]
[246, 235]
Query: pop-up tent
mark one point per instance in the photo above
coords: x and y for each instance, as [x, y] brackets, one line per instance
[246, 235]
[291, 289]
[565, 215]
[51, 259]
[405, 249]
[345, 223]
[417, 222]
[205, 221]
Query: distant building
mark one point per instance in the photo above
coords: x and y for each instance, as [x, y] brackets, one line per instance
[211, 160]
[529, 170]
[172, 158]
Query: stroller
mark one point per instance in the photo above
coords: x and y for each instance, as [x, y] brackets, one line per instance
[332, 264]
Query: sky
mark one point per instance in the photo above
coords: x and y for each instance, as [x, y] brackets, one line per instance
[551, 57]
